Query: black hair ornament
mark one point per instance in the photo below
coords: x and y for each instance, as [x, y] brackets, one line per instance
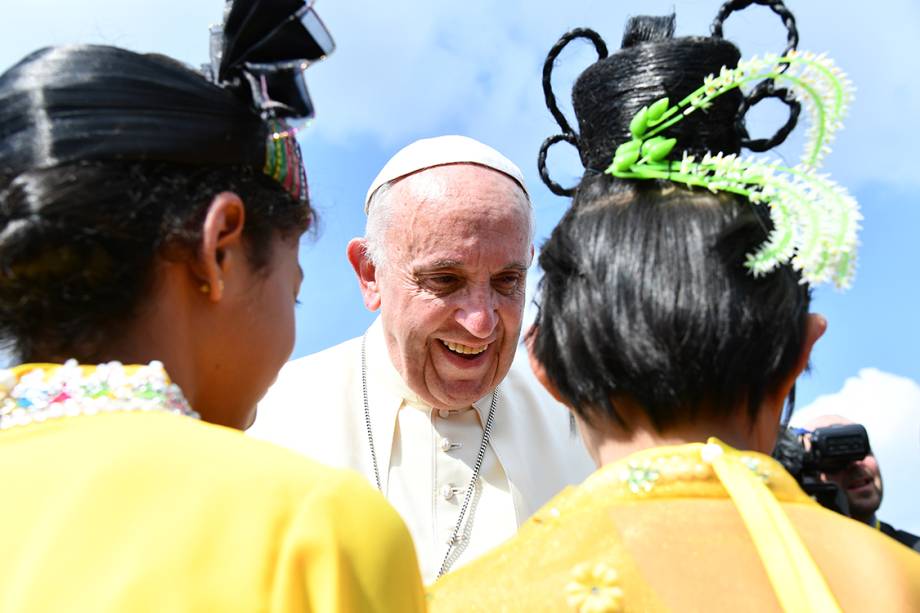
[815, 221]
[261, 50]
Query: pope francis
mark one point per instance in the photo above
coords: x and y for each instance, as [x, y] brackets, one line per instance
[425, 404]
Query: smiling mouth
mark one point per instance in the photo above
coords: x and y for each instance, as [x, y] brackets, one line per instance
[855, 484]
[464, 350]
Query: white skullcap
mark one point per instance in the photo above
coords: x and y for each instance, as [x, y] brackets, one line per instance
[440, 151]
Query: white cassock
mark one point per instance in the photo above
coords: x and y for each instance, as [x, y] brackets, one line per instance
[425, 456]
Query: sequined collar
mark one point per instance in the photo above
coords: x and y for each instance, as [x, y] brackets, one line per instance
[38, 392]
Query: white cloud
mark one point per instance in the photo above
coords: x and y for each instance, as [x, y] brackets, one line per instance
[889, 407]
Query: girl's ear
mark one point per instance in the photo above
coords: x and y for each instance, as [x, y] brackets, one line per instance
[221, 243]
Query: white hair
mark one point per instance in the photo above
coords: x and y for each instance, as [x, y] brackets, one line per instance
[380, 213]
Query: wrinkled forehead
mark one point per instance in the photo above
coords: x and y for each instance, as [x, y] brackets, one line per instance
[459, 204]
[460, 179]
[475, 193]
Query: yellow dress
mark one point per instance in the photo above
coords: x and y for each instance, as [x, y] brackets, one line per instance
[113, 500]
[687, 528]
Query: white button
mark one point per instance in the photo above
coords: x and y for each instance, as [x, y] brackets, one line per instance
[444, 413]
[446, 445]
[447, 492]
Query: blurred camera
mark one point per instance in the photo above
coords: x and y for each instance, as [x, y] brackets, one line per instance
[806, 455]
[834, 447]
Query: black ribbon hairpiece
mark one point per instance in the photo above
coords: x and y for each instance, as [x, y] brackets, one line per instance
[266, 45]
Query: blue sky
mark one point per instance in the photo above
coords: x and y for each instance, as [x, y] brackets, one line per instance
[407, 69]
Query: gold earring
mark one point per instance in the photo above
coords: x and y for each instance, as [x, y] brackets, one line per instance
[205, 288]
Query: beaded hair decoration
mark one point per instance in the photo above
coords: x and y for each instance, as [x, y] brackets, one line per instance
[815, 220]
[283, 160]
[262, 48]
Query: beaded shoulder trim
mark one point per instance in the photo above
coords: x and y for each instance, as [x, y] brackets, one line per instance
[670, 471]
[39, 392]
[683, 471]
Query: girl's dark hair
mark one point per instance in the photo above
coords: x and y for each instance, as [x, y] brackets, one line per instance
[108, 161]
[645, 295]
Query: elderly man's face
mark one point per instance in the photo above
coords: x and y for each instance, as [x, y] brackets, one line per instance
[451, 287]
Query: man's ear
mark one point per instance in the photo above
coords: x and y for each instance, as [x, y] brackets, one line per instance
[221, 244]
[366, 272]
[536, 365]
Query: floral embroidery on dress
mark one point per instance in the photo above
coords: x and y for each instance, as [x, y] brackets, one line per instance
[757, 467]
[594, 588]
[640, 477]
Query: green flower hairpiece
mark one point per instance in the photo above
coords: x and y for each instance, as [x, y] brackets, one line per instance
[815, 221]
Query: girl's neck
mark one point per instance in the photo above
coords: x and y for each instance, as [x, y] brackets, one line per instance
[609, 443]
[608, 449]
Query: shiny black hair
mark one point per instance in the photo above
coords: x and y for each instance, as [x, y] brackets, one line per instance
[645, 295]
[108, 161]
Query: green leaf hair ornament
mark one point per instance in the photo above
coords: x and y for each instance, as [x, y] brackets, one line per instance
[815, 221]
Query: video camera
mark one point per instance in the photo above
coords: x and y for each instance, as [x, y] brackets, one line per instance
[808, 454]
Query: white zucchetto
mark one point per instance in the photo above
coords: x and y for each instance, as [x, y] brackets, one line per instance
[441, 151]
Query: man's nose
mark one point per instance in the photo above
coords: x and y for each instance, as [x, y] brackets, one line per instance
[478, 313]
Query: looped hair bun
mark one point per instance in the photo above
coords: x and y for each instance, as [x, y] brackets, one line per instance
[653, 65]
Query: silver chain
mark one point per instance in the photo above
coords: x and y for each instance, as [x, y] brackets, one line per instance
[367, 412]
[477, 467]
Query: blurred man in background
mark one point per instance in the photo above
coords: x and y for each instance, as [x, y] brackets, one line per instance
[861, 482]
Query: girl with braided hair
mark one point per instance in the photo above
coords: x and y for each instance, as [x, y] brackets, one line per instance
[150, 219]
[673, 322]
